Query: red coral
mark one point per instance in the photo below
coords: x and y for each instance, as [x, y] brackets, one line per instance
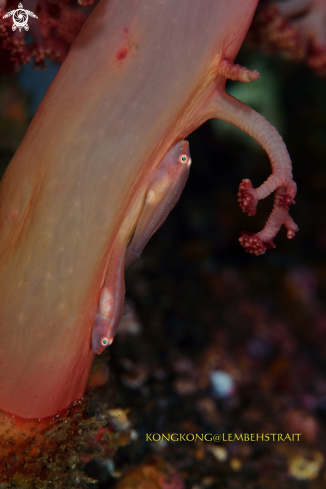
[12, 45]
[53, 33]
[293, 28]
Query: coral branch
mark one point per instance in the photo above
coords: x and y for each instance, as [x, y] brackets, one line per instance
[236, 72]
[281, 181]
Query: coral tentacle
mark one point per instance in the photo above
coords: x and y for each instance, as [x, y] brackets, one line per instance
[247, 197]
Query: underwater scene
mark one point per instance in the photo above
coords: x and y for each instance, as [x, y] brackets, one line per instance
[163, 244]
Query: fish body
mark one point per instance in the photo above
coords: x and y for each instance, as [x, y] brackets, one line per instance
[165, 190]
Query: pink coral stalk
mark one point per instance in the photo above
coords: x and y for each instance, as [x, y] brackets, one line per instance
[281, 181]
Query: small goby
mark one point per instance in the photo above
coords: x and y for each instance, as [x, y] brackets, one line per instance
[163, 193]
[166, 187]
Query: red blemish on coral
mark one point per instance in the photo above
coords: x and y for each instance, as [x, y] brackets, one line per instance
[122, 53]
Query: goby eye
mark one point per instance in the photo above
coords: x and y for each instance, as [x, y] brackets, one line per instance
[183, 159]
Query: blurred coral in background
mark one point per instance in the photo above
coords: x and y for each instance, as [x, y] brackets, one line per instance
[51, 35]
[296, 29]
